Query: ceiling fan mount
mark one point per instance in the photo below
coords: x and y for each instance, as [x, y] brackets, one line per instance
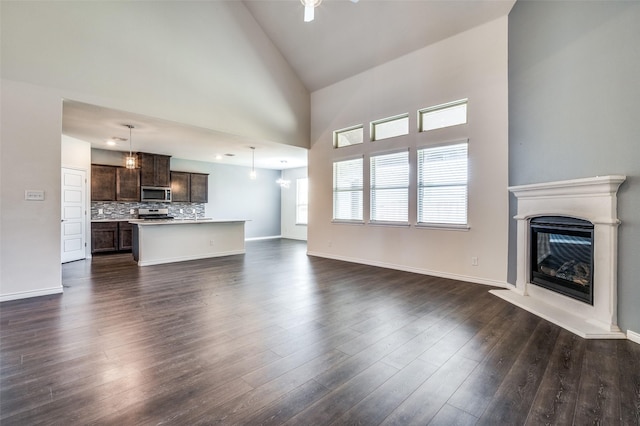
[310, 6]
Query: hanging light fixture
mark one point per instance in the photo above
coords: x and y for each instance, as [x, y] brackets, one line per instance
[130, 160]
[253, 174]
[309, 8]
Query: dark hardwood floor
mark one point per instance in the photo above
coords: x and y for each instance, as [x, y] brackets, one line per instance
[276, 337]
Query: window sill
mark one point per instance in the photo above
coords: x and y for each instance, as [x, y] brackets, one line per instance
[383, 223]
[443, 226]
[347, 222]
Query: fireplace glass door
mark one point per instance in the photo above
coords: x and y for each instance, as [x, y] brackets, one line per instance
[562, 256]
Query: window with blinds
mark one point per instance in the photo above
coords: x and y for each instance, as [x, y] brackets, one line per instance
[442, 185]
[390, 187]
[347, 189]
[302, 201]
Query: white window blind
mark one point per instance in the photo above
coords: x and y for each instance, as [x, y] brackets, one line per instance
[302, 201]
[390, 187]
[347, 189]
[442, 184]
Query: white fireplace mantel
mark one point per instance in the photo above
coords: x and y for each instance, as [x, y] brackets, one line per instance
[592, 199]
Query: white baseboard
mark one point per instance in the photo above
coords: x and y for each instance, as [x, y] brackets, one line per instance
[32, 293]
[272, 237]
[633, 336]
[422, 271]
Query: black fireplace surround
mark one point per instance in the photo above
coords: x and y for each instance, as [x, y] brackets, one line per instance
[562, 256]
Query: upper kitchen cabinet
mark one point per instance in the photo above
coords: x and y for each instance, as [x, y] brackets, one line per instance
[154, 169]
[199, 188]
[189, 187]
[103, 183]
[180, 187]
[127, 184]
[111, 183]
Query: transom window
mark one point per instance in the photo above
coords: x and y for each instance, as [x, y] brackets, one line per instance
[445, 115]
[390, 127]
[347, 189]
[349, 136]
[442, 184]
[390, 187]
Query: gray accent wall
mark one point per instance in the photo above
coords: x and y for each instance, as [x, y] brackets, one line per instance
[574, 112]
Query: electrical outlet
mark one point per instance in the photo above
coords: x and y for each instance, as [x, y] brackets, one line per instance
[181, 211]
[330, 243]
[100, 211]
[132, 211]
[210, 242]
[474, 261]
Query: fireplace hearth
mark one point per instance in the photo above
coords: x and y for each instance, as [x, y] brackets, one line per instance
[567, 254]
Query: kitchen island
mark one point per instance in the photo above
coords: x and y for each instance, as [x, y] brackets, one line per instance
[177, 240]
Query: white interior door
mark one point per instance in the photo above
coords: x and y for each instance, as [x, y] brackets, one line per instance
[73, 226]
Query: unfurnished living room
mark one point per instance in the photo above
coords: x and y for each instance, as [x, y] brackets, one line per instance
[320, 212]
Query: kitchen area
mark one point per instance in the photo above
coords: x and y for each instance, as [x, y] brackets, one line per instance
[156, 213]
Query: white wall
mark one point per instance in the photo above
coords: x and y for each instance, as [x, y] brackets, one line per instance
[76, 154]
[291, 229]
[470, 65]
[30, 245]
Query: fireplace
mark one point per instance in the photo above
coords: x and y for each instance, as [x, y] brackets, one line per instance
[562, 256]
[567, 254]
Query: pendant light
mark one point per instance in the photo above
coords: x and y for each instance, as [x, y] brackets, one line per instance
[253, 174]
[130, 161]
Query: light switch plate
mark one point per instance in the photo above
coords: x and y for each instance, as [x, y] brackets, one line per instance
[34, 195]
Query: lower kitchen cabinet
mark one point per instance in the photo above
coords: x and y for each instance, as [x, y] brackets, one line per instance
[111, 237]
[125, 236]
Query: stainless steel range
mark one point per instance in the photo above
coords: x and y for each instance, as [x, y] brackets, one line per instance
[154, 214]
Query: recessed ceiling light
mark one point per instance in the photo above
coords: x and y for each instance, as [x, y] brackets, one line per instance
[114, 140]
[218, 157]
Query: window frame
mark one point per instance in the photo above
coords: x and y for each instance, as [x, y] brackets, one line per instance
[381, 187]
[336, 135]
[299, 204]
[373, 124]
[419, 186]
[423, 111]
[359, 190]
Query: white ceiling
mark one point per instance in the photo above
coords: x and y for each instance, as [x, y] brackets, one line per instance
[345, 39]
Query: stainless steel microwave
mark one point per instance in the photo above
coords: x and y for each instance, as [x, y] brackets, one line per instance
[155, 194]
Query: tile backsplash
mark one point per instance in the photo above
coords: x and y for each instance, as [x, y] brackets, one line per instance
[122, 210]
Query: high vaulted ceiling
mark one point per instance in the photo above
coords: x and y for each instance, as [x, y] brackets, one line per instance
[345, 39]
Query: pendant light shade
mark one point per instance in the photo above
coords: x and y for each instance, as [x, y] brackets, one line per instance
[130, 161]
[253, 174]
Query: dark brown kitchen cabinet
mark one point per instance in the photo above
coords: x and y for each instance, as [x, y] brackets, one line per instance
[125, 236]
[127, 184]
[104, 237]
[189, 187]
[111, 236]
[199, 188]
[154, 169]
[111, 183]
[103, 183]
[180, 187]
